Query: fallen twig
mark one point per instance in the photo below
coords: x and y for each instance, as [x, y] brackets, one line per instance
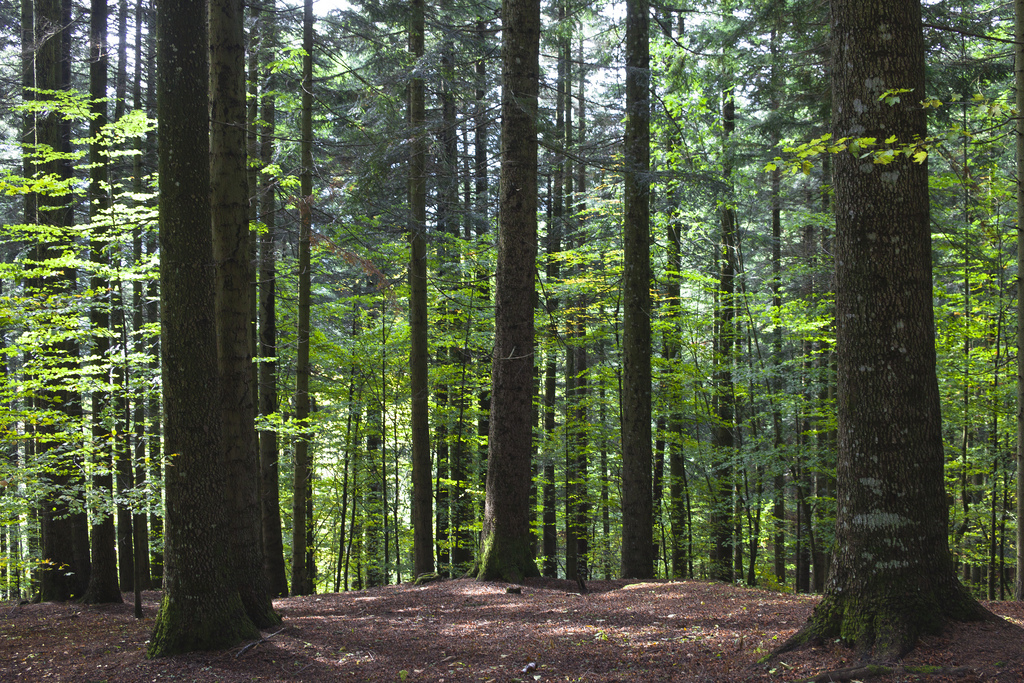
[255, 643]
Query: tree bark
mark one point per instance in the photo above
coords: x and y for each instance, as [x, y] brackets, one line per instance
[234, 277]
[201, 608]
[273, 542]
[637, 498]
[892, 577]
[422, 512]
[103, 576]
[507, 552]
[302, 583]
[1018, 75]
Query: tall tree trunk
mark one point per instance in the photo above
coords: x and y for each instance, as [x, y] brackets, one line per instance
[723, 432]
[892, 577]
[553, 247]
[123, 451]
[422, 514]
[779, 501]
[201, 608]
[141, 571]
[273, 543]
[64, 533]
[103, 577]
[147, 62]
[450, 453]
[1018, 75]
[507, 549]
[637, 502]
[301, 573]
[230, 216]
[482, 227]
[577, 510]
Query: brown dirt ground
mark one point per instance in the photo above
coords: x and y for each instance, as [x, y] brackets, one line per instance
[466, 630]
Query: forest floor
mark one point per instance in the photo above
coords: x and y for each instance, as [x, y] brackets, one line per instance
[465, 630]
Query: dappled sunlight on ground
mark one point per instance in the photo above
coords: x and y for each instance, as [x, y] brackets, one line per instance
[465, 630]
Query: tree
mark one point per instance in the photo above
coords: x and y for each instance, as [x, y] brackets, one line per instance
[273, 541]
[1018, 73]
[507, 552]
[63, 526]
[892, 577]
[103, 579]
[302, 579]
[201, 609]
[230, 202]
[725, 338]
[637, 500]
[423, 547]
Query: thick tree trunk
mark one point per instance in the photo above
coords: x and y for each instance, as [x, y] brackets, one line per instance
[507, 551]
[892, 578]
[234, 277]
[201, 608]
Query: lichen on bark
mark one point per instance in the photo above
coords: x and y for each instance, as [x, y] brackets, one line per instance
[892, 578]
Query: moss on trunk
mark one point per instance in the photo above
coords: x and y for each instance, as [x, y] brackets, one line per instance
[885, 627]
[507, 559]
[193, 624]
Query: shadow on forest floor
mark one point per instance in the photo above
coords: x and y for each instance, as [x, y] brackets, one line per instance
[466, 630]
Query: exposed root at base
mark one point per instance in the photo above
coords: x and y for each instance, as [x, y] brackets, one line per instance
[864, 671]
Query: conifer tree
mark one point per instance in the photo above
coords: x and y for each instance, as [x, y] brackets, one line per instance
[201, 608]
[892, 578]
[507, 552]
[637, 499]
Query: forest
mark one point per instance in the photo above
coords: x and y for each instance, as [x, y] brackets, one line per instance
[671, 411]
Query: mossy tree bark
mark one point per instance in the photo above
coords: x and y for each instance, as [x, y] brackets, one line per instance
[201, 609]
[507, 552]
[892, 578]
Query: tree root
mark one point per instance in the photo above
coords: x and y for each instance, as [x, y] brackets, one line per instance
[864, 671]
